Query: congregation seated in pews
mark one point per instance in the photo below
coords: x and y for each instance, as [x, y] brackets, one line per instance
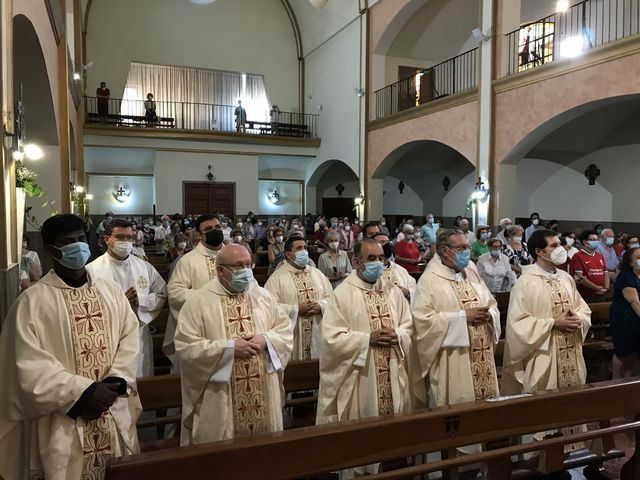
[234, 361]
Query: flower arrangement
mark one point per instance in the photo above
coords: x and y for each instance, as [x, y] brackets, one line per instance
[26, 180]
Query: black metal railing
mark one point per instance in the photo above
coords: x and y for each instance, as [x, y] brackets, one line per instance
[567, 34]
[447, 78]
[198, 116]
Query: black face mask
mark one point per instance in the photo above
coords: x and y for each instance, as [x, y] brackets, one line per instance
[388, 252]
[214, 237]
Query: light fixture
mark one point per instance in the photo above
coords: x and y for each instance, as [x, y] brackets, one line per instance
[33, 151]
[210, 176]
[89, 196]
[562, 6]
[318, 4]
[479, 36]
[572, 47]
[18, 155]
[480, 193]
[274, 197]
[202, 2]
[121, 195]
[358, 91]
[79, 189]
[592, 173]
[76, 76]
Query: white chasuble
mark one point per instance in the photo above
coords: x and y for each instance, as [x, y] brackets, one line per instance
[455, 358]
[224, 397]
[192, 272]
[398, 275]
[152, 296]
[56, 342]
[293, 286]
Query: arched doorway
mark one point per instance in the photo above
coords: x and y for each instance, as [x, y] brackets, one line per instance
[334, 185]
[423, 176]
[548, 171]
[31, 84]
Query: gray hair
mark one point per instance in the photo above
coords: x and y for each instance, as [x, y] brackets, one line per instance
[513, 229]
[332, 234]
[442, 240]
[607, 230]
[494, 240]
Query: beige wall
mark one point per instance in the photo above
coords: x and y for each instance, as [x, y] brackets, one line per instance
[250, 36]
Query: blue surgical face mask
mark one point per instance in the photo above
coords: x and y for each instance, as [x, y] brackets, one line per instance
[74, 255]
[593, 244]
[495, 253]
[302, 258]
[241, 280]
[609, 241]
[373, 271]
[484, 236]
[463, 259]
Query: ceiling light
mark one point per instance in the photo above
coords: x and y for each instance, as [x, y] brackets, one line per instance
[33, 151]
[562, 6]
[76, 76]
[202, 2]
[317, 4]
[572, 47]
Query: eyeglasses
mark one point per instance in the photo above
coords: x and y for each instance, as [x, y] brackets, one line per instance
[235, 268]
[459, 249]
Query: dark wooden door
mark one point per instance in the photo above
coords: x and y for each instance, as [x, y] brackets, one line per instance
[205, 197]
[338, 207]
[407, 88]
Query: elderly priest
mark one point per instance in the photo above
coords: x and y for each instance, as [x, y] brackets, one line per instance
[68, 353]
[233, 342]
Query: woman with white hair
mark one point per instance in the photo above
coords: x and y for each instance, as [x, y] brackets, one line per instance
[334, 263]
[407, 252]
[495, 269]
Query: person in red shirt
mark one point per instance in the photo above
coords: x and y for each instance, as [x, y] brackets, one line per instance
[589, 269]
[103, 94]
[407, 252]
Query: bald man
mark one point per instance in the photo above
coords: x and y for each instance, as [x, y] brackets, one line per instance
[394, 273]
[233, 342]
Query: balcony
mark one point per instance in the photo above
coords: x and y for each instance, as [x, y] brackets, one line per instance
[569, 34]
[453, 76]
[200, 118]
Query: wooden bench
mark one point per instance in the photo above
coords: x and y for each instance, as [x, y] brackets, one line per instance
[131, 120]
[496, 424]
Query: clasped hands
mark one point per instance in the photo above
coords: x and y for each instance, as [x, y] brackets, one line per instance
[249, 346]
[570, 322]
[309, 308]
[384, 337]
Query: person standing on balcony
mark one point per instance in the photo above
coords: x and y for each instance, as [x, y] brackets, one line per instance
[275, 119]
[150, 115]
[241, 118]
[103, 94]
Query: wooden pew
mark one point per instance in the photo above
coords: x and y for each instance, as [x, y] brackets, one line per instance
[316, 450]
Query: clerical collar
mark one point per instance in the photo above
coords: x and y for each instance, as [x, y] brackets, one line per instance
[547, 272]
[74, 282]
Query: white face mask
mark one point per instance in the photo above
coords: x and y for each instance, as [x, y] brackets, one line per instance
[333, 245]
[279, 239]
[535, 221]
[570, 241]
[558, 256]
[122, 249]
[517, 239]
[237, 239]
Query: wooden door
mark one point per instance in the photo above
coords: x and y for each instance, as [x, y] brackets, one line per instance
[209, 197]
[407, 87]
[338, 207]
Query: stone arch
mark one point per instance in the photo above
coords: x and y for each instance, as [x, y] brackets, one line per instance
[328, 174]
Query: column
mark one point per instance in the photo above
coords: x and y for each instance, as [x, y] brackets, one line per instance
[63, 122]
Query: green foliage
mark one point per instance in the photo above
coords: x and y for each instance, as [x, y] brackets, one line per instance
[26, 179]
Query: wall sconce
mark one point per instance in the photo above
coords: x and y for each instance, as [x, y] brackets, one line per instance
[210, 176]
[274, 197]
[592, 173]
[401, 187]
[480, 193]
[339, 189]
[88, 196]
[121, 195]
[446, 183]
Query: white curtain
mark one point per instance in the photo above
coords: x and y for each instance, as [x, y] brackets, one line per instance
[196, 98]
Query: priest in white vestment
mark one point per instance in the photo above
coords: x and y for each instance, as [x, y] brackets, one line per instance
[457, 324]
[303, 291]
[192, 272]
[365, 346]
[394, 273]
[546, 326]
[145, 289]
[233, 342]
[68, 349]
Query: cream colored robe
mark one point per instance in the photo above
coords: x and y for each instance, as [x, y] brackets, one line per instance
[38, 365]
[192, 272]
[282, 285]
[398, 275]
[206, 356]
[442, 335]
[530, 361]
[152, 296]
[348, 382]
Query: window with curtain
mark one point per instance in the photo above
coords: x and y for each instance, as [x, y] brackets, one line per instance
[197, 98]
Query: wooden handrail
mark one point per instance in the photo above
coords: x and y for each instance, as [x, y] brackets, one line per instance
[325, 448]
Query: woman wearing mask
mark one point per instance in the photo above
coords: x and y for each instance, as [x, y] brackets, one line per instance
[407, 251]
[480, 246]
[334, 263]
[276, 249]
[347, 238]
[569, 244]
[516, 249]
[625, 313]
[384, 228]
[632, 241]
[495, 269]
[238, 238]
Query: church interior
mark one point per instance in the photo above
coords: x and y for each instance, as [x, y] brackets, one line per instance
[319, 239]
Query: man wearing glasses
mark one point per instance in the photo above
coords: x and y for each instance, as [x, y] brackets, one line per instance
[457, 324]
[233, 342]
[141, 283]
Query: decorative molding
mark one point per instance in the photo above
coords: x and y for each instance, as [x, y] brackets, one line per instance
[426, 109]
[200, 135]
[197, 150]
[596, 56]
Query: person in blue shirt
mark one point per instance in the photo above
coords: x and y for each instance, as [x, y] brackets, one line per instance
[607, 250]
[429, 230]
[625, 314]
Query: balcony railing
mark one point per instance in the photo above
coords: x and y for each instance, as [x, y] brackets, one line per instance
[199, 116]
[447, 78]
[567, 34]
